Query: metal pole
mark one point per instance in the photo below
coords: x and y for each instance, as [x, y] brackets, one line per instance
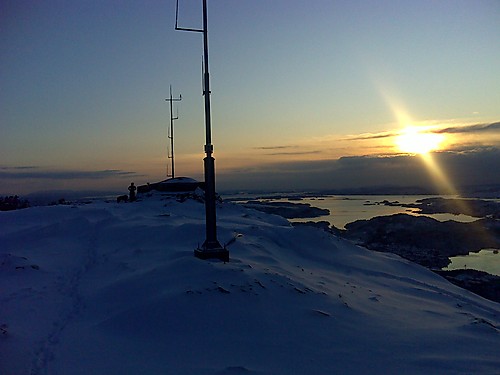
[211, 227]
[211, 248]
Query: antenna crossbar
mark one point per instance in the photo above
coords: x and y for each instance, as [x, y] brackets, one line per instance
[177, 19]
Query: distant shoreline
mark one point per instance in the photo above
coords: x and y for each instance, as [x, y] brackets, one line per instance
[479, 208]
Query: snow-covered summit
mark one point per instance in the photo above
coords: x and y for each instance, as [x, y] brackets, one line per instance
[109, 288]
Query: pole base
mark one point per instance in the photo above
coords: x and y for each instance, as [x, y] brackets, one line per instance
[212, 252]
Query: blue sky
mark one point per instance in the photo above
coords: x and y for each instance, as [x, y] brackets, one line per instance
[82, 86]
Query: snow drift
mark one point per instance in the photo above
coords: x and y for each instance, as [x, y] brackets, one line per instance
[107, 288]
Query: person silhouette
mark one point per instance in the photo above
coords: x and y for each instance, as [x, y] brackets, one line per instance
[132, 190]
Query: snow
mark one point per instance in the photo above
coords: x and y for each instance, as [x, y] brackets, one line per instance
[180, 179]
[107, 288]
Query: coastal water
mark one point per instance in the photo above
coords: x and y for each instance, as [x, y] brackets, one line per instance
[487, 260]
[345, 209]
[348, 208]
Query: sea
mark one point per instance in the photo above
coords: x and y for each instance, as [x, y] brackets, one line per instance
[348, 208]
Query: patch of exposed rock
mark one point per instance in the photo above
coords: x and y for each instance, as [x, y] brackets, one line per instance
[479, 282]
[422, 239]
[287, 210]
[471, 207]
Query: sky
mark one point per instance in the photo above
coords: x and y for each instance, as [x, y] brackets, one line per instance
[305, 95]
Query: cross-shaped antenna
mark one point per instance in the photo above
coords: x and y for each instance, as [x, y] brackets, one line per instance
[170, 154]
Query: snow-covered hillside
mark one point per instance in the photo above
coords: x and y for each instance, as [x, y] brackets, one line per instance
[107, 288]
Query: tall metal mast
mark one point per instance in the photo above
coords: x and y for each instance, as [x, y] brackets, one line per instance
[211, 248]
[171, 134]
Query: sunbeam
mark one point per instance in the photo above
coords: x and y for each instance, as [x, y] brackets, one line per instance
[442, 181]
[421, 141]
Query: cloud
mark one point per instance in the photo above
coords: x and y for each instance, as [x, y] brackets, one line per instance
[454, 129]
[273, 147]
[285, 153]
[295, 153]
[16, 173]
[365, 136]
[465, 168]
[469, 147]
[8, 168]
[475, 128]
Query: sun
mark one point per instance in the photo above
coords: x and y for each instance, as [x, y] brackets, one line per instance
[414, 141]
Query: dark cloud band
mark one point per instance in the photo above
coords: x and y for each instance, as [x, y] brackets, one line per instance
[495, 126]
[39, 173]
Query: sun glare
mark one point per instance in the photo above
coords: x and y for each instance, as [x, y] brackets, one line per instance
[413, 141]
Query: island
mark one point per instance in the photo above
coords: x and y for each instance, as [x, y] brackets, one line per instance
[286, 209]
[437, 205]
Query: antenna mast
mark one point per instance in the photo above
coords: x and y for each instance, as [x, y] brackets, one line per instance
[170, 154]
[211, 248]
